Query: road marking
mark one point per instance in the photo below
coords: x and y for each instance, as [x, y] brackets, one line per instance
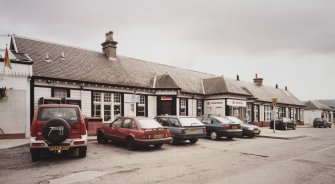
[77, 177]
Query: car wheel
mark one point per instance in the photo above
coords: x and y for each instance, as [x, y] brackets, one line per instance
[131, 144]
[294, 127]
[82, 152]
[56, 130]
[194, 140]
[214, 135]
[314, 126]
[35, 154]
[101, 138]
[251, 136]
[172, 141]
[230, 138]
[158, 145]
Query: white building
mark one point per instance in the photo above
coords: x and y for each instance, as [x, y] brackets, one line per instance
[15, 106]
[315, 109]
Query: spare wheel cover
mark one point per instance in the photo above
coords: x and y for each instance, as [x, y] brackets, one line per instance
[56, 130]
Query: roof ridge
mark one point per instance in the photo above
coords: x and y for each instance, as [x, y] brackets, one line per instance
[54, 43]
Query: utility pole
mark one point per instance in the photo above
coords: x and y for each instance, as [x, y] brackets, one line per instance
[274, 104]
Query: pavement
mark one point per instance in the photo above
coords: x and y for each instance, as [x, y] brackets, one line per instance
[266, 132]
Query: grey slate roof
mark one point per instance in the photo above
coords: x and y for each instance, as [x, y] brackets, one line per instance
[266, 93]
[314, 104]
[329, 103]
[92, 66]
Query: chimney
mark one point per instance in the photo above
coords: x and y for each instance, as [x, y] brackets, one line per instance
[258, 81]
[276, 86]
[109, 46]
[238, 77]
[285, 88]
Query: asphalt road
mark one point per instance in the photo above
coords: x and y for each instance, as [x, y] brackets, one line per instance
[308, 160]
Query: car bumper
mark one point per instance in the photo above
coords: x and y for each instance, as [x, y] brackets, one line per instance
[72, 143]
[230, 133]
[144, 142]
[182, 137]
[251, 133]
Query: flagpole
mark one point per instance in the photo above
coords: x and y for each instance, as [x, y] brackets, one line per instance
[4, 64]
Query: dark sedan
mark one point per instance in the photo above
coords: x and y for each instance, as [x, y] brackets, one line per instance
[283, 123]
[319, 122]
[217, 127]
[248, 129]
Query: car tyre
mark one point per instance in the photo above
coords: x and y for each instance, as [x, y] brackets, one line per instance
[82, 152]
[294, 127]
[214, 135]
[131, 144]
[230, 138]
[159, 145]
[101, 138]
[173, 141]
[35, 154]
[194, 140]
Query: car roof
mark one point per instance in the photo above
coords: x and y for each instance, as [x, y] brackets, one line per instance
[58, 105]
[174, 116]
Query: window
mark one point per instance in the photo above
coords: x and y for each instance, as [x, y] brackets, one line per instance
[103, 105]
[199, 108]
[127, 123]
[117, 123]
[249, 107]
[256, 113]
[140, 110]
[182, 109]
[60, 93]
[267, 113]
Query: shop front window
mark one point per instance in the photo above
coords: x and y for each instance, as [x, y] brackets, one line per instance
[60, 93]
[103, 105]
[199, 108]
[249, 115]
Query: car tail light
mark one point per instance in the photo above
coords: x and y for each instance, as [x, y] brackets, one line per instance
[204, 130]
[78, 142]
[182, 131]
[37, 144]
[226, 126]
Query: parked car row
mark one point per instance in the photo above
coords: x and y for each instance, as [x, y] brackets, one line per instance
[320, 122]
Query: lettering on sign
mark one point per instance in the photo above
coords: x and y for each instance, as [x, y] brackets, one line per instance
[166, 98]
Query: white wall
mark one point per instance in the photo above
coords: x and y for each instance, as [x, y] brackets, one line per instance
[75, 94]
[261, 111]
[41, 92]
[129, 107]
[152, 106]
[192, 107]
[178, 103]
[309, 116]
[214, 107]
[86, 106]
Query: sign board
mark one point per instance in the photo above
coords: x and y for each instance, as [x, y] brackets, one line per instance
[135, 98]
[236, 103]
[166, 98]
[128, 98]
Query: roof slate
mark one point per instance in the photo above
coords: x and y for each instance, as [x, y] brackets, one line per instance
[92, 66]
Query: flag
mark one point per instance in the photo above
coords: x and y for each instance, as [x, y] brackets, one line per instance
[7, 60]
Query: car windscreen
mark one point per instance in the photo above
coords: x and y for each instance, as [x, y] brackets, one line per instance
[70, 115]
[149, 123]
[190, 121]
[224, 120]
[234, 119]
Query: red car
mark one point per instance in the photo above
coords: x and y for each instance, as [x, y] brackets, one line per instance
[134, 132]
[57, 128]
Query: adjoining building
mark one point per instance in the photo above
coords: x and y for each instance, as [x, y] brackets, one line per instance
[15, 95]
[316, 109]
[108, 85]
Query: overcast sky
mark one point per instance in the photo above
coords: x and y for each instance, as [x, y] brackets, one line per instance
[289, 42]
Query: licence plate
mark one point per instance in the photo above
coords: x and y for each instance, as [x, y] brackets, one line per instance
[194, 130]
[234, 127]
[158, 136]
[56, 148]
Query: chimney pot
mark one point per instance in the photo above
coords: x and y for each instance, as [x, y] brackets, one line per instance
[109, 46]
[276, 86]
[285, 88]
[258, 81]
[238, 77]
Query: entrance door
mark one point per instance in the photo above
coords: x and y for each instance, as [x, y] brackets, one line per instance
[166, 105]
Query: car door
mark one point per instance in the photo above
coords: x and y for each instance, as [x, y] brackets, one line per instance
[113, 130]
[207, 121]
[124, 130]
